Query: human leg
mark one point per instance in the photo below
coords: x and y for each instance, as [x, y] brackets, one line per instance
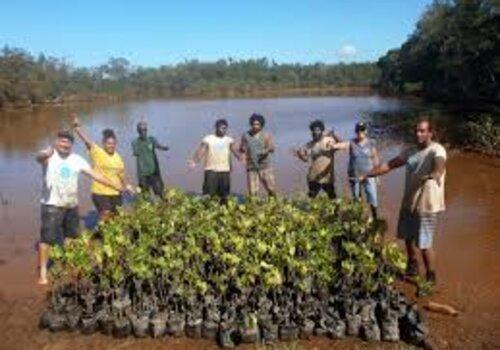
[224, 185]
[408, 230]
[70, 223]
[329, 188]
[210, 183]
[355, 191]
[115, 201]
[157, 185]
[51, 219]
[429, 224]
[103, 205]
[144, 183]
[267, 178]
[370, 188]
[253, 182]
[314, 189]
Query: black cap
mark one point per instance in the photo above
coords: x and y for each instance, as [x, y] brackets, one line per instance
[360, 126]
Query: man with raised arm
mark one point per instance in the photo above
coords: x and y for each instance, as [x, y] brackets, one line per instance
[59, 212]
[148, 169]
[216, 148]
[319, 151]
[423, 199]
[257, 144]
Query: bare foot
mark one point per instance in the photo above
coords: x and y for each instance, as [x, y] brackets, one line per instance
[43, 281]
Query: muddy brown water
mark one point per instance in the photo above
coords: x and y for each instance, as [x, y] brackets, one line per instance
[468, 245]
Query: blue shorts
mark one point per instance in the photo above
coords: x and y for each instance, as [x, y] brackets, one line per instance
[418, 228]
[370, 189]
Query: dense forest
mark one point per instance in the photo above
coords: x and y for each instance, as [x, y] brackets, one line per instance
[453, 54]
[25, 79]
[452, 58]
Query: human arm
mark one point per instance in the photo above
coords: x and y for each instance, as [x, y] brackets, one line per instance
[301, 153]
[340, 146]
[125, 180]
[438, 169]
[44, 155]
[198, 154]
[375, 157]
[97, 176]
[80, 132]
[335, 136]
[159, 145]
[269, 145]
[379, 170]
[235, 150]
[243, 145]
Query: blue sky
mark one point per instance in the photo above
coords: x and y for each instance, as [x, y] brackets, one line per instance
[152, 33]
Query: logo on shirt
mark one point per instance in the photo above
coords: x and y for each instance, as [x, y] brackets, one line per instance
[65, 172]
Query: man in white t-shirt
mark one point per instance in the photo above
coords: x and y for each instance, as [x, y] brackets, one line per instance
[59, 212]
[423, 198]
[216, 149]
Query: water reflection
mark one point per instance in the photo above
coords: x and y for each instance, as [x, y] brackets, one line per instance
[179, 124]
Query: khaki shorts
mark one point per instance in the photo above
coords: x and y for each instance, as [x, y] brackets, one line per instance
[255, 177]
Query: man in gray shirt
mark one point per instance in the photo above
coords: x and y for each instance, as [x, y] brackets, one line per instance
[423, 199]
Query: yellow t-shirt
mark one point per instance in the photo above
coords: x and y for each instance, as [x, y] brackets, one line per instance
[111, 166]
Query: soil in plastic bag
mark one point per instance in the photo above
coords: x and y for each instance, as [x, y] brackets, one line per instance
[175, 325]
[140, 326]
[122, 328]
[158, 325]
[193, 328]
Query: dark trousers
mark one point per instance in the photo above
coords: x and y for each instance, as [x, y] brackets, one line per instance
[217, 183]
[58, 224]
[105, 203]
[315, 187]
[152, 182]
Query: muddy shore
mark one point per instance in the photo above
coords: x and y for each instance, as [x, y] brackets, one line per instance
[468, 258]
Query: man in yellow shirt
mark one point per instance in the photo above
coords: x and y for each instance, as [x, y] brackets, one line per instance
[109, 163]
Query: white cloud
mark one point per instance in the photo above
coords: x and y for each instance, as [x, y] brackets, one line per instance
[347, 51]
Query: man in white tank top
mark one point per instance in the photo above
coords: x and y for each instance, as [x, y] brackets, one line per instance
[216, 148]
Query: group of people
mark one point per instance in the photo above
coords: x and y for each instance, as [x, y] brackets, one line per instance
[422, 202]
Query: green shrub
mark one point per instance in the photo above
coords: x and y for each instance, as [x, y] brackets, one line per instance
[197, 245]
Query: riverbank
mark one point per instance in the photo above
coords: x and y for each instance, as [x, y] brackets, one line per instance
[67, 101]
[468, 256]
[475, 130]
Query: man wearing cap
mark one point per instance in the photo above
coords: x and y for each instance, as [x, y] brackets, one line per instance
[148, 170]
[59, 211]
[423, 199]
[363, 157]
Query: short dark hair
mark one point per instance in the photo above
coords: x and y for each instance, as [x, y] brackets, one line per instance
[108, 134]
[425, 119]
[141, 123]
[259, 118]
[220, 122]
[66, 134]
[317, 124]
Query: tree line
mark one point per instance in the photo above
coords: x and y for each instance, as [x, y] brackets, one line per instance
[25, 79]
[452, 55]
